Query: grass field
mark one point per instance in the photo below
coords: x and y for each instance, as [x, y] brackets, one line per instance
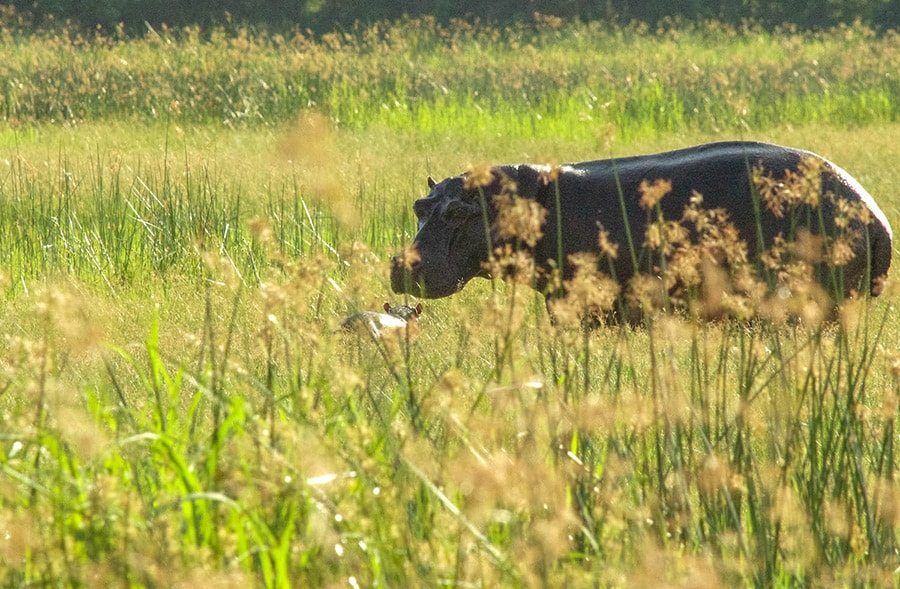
[185, 217]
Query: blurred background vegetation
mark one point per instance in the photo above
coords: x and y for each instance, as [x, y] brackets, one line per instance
[327, 15]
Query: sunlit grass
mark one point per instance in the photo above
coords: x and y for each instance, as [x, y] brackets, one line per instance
[179, 409]
[544, 79]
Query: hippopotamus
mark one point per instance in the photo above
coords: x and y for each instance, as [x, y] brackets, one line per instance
[453, 240]
[396, 318]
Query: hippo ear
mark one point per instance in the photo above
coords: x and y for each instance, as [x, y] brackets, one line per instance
[387, 307]
[419, 309]
[431, 183]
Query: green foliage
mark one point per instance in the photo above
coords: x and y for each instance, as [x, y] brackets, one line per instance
[179, 408]
[553, 79]
[326, 15]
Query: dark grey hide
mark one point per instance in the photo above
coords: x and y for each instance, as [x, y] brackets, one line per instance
[452, 245]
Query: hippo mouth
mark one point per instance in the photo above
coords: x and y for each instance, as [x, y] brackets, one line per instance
[404, 281]
[414, 281]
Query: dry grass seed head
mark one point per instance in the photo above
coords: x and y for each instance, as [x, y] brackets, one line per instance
[841, 250]
[78, 429]
[501, 480]
[775, 256]
[647, 292]
[519, 218]
[797, 291]
[660, 568]
[665, 237]
[651, 193]
[478, 177]
[838, 518]
[512, 265]
[719, 239]
[261, 230]
[589, 293]
[893, 360]
[607, 247]
[19, 536]
[547, 539]
[713, 474]
[685, 267]
[741, 296]
[853, 314]
[807, 247]
[72, 315]
[262, 233]
[802, 294]
[796, 538]
[804, 187]
[702, 250]
[782, 195]
[847, 211]
[887, 500]
[716, 286]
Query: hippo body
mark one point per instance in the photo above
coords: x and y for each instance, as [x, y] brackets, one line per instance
[452, 246]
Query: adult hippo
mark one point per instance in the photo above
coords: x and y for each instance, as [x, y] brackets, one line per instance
[452, 243]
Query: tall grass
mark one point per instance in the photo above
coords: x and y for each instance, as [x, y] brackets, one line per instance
[546, 78]
[245, 440]
[178, 408]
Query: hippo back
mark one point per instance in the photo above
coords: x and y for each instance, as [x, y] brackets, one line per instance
[607, 193]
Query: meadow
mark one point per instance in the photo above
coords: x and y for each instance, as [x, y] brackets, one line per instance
[186, 216]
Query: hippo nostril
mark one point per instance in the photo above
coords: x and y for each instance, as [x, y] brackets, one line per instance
[401, 277]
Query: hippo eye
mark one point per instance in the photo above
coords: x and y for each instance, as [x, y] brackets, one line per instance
[455, 213]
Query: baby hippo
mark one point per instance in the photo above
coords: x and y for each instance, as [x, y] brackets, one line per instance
[394, 321]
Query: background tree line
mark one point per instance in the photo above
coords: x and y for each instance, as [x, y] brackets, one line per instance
[326, 15]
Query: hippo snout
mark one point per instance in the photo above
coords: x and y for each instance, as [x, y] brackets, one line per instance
[404, 276]
[426, 278]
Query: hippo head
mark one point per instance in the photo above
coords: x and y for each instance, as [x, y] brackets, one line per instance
[405, 312]
[451, 246]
